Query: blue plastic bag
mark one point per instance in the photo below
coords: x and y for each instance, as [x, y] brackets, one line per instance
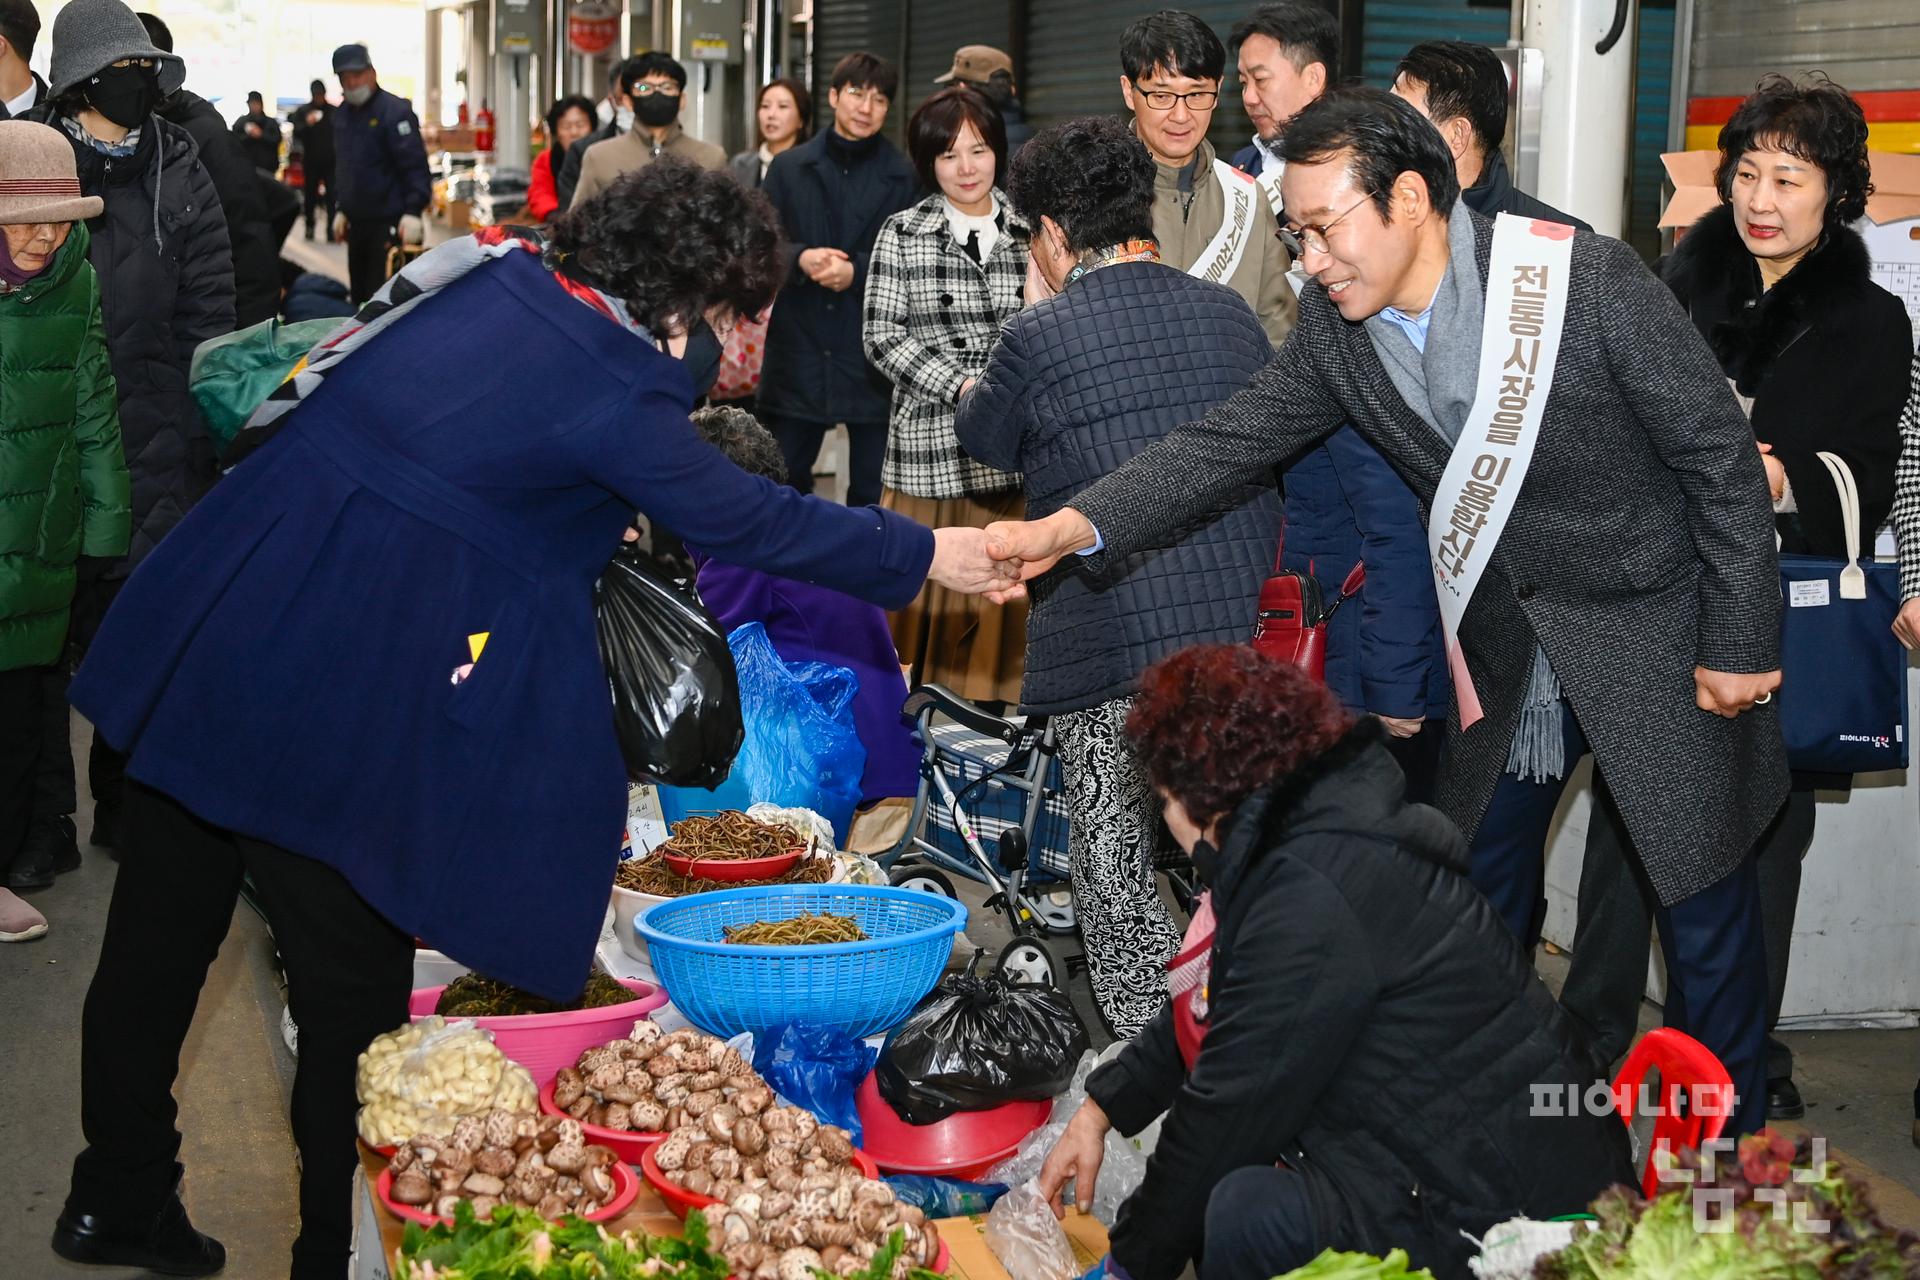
[801, 747]
[944, 1197]
[817, 1069]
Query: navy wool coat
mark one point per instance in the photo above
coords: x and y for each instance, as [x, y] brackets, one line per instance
[282, 664]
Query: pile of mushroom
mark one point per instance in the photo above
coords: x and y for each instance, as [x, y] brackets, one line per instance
[792, 1198]
[505, 1157]
[655, 1081]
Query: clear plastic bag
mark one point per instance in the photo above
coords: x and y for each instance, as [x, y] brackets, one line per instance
[803, 822]
[1027, 1239]
[1122, 1168]
[422, 1077]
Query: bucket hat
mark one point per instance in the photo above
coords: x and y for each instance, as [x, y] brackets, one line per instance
[38, 182]
[976, 64]
[89, 35]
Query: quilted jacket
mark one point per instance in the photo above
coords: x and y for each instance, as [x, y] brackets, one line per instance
[1078, 385]
[932, 315]
[63, 482]
[166, 286]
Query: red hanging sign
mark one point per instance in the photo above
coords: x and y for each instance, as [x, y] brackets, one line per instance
[592, 27]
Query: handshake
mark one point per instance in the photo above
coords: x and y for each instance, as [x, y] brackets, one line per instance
[999, 560]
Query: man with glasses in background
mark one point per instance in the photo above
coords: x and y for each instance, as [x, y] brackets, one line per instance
[1211, 220]
[657, 86]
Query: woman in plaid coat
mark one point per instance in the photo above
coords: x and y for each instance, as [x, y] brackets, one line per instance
[944, 274]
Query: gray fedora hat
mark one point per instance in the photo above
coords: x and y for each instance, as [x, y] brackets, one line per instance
[38, 182]
[89, 35]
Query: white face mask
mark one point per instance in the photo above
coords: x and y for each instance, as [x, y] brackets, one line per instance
[624, 117]
[358, 97]
[604, 111]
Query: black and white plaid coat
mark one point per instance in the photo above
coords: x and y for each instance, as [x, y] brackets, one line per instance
[1641, 547]
[1906, 490]
[931, 317]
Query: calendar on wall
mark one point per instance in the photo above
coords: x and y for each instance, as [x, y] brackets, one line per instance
[1895, 250]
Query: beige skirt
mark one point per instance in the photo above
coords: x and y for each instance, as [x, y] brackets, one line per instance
[974, 647]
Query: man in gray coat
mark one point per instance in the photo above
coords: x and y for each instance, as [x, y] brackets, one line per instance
[1633, 600]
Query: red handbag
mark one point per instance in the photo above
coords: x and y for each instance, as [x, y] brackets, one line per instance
[1291, 624]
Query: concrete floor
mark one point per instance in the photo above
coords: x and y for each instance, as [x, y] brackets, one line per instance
[236, 1076]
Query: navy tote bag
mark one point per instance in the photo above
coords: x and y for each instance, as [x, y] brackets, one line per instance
[1843, 696]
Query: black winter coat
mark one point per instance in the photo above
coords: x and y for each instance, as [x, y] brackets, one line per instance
[1372, 1024]
[1824, 355]
[313, 133]
[166, 285]
[1495, 194]
[380, 168]
[256, 250]
[1078, 384]
[816, 366]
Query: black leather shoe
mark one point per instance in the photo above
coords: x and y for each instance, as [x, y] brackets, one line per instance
[1783, 1100]
[167, 1244]
[50, 849]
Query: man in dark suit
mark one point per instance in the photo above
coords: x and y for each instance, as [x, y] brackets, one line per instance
[1462, 89]
[21, 88]
[313, 131]
[1632, 601]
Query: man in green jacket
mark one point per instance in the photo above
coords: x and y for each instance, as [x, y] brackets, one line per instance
[60, 452]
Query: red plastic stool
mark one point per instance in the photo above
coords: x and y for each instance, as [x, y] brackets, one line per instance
[1685, 1066]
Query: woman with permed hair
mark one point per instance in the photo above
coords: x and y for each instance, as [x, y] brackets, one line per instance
[364, 672]
[1779, 284]
[1356, 1055]
[1125, 350]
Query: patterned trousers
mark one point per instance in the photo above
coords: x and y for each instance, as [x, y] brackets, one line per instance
[1115, 833]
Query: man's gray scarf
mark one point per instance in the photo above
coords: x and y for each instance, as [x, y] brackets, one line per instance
[1439, 385]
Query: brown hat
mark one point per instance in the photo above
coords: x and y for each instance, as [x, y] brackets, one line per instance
[40, 183]
[976, 63]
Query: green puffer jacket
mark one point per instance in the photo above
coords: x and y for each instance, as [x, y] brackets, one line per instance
[63, 480]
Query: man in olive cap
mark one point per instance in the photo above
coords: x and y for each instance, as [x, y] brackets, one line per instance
[381, 182]
[989, 70]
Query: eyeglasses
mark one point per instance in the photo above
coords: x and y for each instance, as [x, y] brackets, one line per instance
[1163, 99]
[648, 90]
[865, 97]
[1313, 238]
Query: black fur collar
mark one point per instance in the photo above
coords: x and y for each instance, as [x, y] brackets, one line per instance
[1716, 279]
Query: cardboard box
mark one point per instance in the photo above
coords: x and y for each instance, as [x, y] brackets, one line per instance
[1896, 181]
[458, 215]
[972, 1260]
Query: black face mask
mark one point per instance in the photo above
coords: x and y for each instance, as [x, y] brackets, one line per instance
[124, 95]
[656, 110]
[1206, 861]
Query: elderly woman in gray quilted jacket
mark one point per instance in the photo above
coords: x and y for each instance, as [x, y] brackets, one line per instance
[1125, 350]
[944, 274]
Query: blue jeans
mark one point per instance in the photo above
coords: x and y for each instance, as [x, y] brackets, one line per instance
[1713, 941]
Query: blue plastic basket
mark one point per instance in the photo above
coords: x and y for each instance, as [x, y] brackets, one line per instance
[860, 988]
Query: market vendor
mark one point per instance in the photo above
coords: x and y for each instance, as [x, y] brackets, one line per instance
[1355, 1049]
[363, 671]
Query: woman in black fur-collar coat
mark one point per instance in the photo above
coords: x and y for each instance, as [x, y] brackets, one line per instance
[1778, 284]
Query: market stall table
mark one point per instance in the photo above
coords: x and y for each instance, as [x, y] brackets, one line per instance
[964, 1237]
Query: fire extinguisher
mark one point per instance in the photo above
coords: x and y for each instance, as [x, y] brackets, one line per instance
[483, 129]
[463, 114]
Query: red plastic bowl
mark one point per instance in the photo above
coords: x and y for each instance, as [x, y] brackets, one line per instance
[684, 1202]
[545, 1042]
[627, 1143]
[964, 1145]
[625, 1188]
[735, 868]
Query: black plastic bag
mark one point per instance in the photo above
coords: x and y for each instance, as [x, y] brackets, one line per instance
[975, 1043]
[676, 701]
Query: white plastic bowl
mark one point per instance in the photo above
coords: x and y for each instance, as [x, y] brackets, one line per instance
[628, 904]
[434, 968]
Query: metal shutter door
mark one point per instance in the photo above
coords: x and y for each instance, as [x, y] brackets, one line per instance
[841, 27]
[1073, 63]
[1388, 30]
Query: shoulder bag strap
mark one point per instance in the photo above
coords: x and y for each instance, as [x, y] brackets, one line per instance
[1853, 579]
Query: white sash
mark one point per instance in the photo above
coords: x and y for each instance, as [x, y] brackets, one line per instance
[1519, 350]
[1222, 256]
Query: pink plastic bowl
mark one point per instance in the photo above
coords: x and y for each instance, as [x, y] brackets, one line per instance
[964, 1145]
[627, 1143]
[625, 1188]
[545, 1042]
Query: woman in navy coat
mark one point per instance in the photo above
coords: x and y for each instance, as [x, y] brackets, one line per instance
[363, 671]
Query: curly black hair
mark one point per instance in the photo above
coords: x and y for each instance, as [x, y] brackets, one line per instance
[1384, 138]
[1812, 119]
[673, 240]
[738, 434]
[1092, 176]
